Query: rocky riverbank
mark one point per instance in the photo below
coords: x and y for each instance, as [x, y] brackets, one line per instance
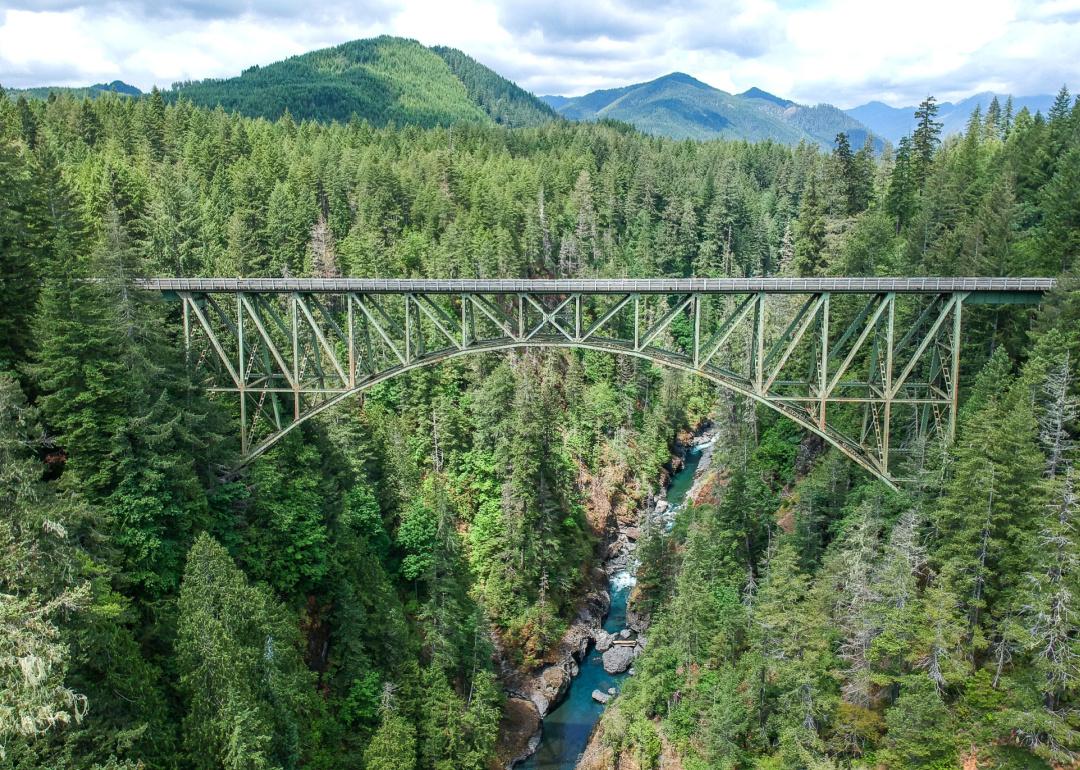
[658, 513]
[531, 695]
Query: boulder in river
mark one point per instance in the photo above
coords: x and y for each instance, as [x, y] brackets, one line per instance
[600, 697]
[618, 659]
[603, 641]
[661, 507]
[554, 682]
[625, 633]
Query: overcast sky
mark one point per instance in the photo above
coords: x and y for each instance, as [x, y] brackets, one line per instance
[841, 51]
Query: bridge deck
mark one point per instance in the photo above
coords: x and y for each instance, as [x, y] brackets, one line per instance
[603, 285]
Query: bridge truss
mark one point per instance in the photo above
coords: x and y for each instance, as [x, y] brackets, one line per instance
[871, 365]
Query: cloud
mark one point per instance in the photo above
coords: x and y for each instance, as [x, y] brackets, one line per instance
[840, 51]
[563, 20]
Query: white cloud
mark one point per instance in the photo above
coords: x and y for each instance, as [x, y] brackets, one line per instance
[841, 51]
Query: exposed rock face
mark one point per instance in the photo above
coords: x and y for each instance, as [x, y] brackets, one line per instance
[519, 731]
[600, 697]
[552, 686]
[618, 659]
[636, 619]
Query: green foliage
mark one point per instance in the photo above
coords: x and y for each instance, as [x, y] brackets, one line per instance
[238, 653]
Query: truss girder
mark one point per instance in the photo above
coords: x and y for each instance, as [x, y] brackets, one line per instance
[833, 362]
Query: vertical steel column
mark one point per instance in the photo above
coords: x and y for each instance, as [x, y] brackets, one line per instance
[185, 299]
[823, 362]
[955, 395]
[697, 330]
[351, 342]
[242, 370]
[759, 342]
[521, 316]
[293, 302]
[577, 317]
[464, 322]
[890, 322]
[408, 329]
[637, 321]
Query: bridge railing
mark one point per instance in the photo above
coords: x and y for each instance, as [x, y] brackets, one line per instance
[604, 285]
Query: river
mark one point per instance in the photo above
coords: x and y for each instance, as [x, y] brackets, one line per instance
[566, 729]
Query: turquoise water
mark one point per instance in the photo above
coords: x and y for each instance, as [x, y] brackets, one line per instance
[567, 728]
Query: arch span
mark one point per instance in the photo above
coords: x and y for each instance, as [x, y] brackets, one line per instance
[830, 436]
[870, 365]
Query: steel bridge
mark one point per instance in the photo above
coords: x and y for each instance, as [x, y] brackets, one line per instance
[872, 365]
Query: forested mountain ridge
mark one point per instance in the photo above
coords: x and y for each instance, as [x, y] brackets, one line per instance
[381, 80]
[333, 603]
[682, 107]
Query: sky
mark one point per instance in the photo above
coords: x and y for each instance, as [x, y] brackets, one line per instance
[844, 52]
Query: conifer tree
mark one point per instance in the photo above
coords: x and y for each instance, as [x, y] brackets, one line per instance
[248, 692]
[925, 139]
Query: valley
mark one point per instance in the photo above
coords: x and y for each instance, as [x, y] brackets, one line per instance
[289, 523]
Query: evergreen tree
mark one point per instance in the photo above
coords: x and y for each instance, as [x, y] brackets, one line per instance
[248, 691]
[925, 139]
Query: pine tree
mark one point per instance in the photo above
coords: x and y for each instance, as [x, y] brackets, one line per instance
[247, 689]
[810, 233]
[925, 140]
[1053, 583]
[903, 185]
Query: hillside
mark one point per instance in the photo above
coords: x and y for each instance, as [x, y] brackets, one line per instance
[895, 122]
[383, 79]
[42, 92]
[682, 107]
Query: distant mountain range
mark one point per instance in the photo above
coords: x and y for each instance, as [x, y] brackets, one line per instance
[683, 107]
[42, 92]
[895, 122]
[395, 80]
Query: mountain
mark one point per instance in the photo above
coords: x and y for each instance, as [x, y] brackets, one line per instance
[555, 102]
[682, 107]
[822, 122]
[757, 93]
[383, 79]
[42, 92]
[895, 122]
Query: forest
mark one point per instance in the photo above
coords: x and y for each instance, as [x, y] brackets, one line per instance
[339, 603]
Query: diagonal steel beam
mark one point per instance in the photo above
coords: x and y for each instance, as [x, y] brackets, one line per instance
[434, 317]
[548, 317]
[713, 346]
[326, 346]
[930, 336]
[598, 323]
[361, 303]
[214, 341]
[267, 341]
[808, 318]
[492, 312]
[884, 300]
[666, 319]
